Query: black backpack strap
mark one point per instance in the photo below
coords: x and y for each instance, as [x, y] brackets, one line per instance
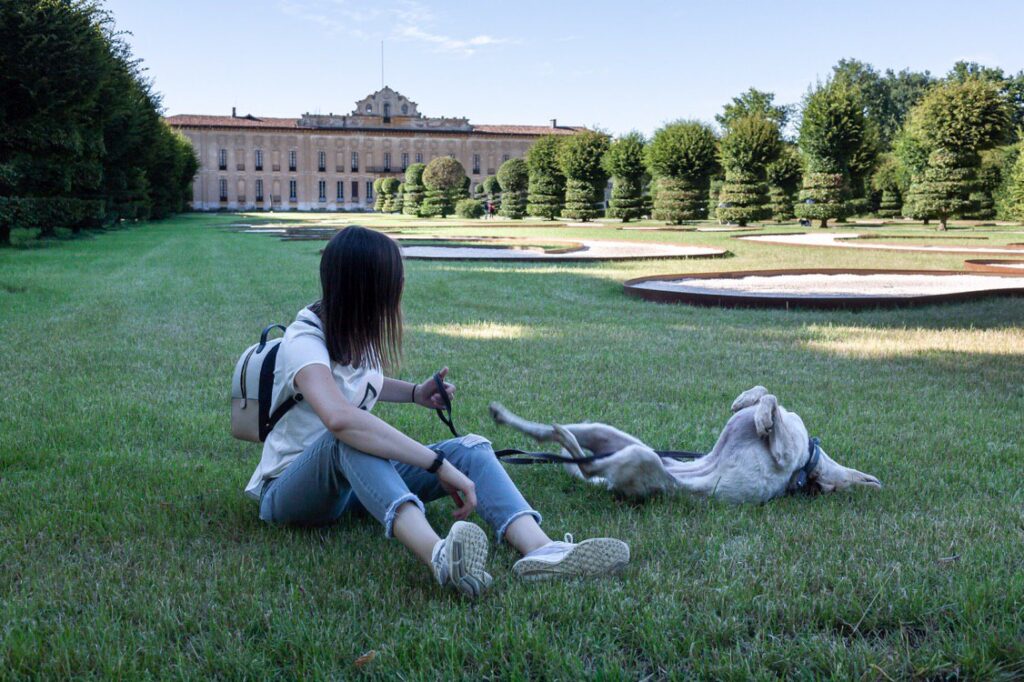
[269, 420]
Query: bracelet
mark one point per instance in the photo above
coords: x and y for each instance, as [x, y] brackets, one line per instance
[438, 461]
[412, 398]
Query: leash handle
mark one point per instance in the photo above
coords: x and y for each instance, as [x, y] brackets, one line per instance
[445, 415]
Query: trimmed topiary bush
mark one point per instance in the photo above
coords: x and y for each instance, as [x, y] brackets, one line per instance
[944, 189]
[399, 201]
[624, 161]
[681, 157]
[751, 144]
[469, 208]
[378, 201]
[389, 190]
[885, 182]
[821, 197]
[580, 158]
[444, 179]
[783, 175]
[513, 178]
[545, 195]
[412, 200]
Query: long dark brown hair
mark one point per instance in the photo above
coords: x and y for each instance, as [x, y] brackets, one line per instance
[361, 277]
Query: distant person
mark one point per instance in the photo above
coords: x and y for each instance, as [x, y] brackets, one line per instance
[490, 209]
[329, 458]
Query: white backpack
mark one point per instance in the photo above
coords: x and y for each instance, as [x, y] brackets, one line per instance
[252, 389]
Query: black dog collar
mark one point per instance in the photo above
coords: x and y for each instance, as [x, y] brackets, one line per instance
[798, 481]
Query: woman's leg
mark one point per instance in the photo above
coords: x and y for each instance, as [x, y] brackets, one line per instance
[499, 502]
[330, 479]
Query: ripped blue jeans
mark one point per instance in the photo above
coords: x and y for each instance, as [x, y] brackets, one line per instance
[331, 479]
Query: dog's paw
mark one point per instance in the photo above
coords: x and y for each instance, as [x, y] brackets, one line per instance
[765, 414]
[748, 398]
[498, 412]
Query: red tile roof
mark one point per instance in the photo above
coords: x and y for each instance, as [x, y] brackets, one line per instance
[202, 121]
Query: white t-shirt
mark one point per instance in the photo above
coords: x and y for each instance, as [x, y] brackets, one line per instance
[304, 345]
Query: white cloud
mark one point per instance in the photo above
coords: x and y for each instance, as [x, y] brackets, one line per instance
[407, 19]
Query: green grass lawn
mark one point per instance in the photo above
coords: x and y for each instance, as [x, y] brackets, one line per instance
[128, 550]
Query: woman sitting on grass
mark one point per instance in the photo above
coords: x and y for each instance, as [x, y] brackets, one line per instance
[329, 457]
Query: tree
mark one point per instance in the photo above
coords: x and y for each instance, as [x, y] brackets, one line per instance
[955, 122]
[750, 144]
[832, 131]
[379, 197]
[389, 190]
[885, 181]
[513, 177]
[412, 201]
[492, 188]
[989, 179]
[579, 157]
[444, 180]
[624, 162]
[754, 102]
[1015, 191]
[681, 158]
[399, 201]
[783, 177]
[546, 191]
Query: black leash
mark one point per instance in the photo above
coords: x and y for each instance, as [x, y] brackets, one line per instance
[514, 456]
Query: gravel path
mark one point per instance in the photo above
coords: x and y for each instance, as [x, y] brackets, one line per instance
[850, 241]
[838, 285]
[593, 250]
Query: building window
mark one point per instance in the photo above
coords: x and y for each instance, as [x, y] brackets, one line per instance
[451, 156]
[293, 160]
[355, 190]
[222, 159]
[323, 190]
[259, 159]
[355, 162]
[419, 157]
[369, 109]
[405, 160]
[259, 190]
[387, 112]
[223, 189]
[476, 164]
[504, 158]
[369, 190]
[405, 109]
[321, 161]
[387, 160]
[293, 190]
[341, 190]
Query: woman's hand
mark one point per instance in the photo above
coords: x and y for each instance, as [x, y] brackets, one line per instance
[458, 485]
[428, 395]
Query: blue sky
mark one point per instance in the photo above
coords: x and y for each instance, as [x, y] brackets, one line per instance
[614, 65]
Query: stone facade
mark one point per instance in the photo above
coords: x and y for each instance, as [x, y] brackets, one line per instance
[329, 162]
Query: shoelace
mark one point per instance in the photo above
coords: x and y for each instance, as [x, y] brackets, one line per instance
[568, 539]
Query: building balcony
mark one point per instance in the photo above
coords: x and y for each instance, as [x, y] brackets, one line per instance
[382, 169]
[240, 166]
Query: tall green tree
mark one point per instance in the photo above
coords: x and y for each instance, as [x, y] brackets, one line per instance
[885, 182]
[412, 201]
[955, 122]
[681, 158]
[783, 175]
[513, 177]
[580, 157]
[1015, 191]
[750, 144]
[832, 131]
[444, 180]
[546, 191]
[624, 162]
[755, 102]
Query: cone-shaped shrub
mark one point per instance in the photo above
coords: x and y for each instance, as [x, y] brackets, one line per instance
[546, 190]
[399, 202]
[681, 158]
[389, 190]
[444, 180]
[469, 208]
[822, 196]
[414, 190]
[945, 187]
[579, 157]
[1014, 192]
[513, 177]
[784, 175]
[751, 143]
[714, 189]
[885, 181]
[378, 200]
[624, 161]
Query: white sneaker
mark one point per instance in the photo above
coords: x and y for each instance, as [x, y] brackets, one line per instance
[459, 559]
[588, 559]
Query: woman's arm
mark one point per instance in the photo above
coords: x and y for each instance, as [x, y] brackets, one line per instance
[366, 433]
[424, 393]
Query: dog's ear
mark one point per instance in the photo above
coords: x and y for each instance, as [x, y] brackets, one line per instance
[784, 444]
[748, 398]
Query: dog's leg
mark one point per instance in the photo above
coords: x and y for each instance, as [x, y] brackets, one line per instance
[748, 398]
[540, 432]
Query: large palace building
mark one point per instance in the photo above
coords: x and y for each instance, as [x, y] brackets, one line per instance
[329, 162]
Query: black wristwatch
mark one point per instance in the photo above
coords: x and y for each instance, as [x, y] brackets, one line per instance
[438, 461]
